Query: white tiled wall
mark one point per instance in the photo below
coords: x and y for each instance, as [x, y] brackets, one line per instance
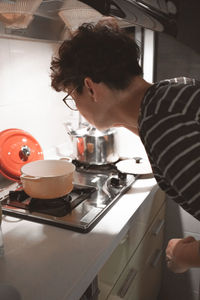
[27, 100]
[130, 145]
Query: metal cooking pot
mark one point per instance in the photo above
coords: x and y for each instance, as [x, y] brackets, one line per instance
[93, 146]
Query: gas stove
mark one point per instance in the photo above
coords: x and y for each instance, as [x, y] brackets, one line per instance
[96, 189]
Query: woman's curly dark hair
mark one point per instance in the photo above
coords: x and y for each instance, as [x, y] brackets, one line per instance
[100, 52]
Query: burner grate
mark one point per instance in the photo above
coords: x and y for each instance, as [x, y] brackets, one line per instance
[55, 207]
[58, 207]
[109, 168]
[94, 193]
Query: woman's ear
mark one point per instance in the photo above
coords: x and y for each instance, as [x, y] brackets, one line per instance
[89, 84]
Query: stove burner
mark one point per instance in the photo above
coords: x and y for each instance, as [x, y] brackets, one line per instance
[58, 207]
[88, 166]
[103, 169]
[18, 195]
[96, 189]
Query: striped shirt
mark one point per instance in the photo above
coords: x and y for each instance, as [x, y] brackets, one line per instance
[169, 127]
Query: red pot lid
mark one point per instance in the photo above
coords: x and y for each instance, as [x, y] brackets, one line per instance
[17, 147]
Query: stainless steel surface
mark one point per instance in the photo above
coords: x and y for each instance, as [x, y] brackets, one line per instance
[152, 14]
[102, 190]
[93, 146]
[46, 24]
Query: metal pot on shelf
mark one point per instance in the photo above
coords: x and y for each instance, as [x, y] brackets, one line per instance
[93, 146]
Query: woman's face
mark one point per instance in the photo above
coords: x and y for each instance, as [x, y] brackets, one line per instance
[94, 112]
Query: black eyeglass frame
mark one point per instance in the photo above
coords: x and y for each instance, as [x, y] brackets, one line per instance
[66, 98]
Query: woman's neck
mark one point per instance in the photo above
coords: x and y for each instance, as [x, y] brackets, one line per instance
[130, 103]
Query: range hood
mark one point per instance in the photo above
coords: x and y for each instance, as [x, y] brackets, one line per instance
[157, 15]
[18, 14]
[177, 18]
[45, 23]
[53, 19]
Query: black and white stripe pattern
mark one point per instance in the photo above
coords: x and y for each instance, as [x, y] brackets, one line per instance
[169, 127]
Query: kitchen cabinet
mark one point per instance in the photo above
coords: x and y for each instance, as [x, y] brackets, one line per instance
[136, 262]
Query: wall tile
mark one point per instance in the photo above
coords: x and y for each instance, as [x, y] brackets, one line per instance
[27, 100]
[129, 144]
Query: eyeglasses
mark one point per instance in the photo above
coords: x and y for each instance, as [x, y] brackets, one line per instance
[69, 101]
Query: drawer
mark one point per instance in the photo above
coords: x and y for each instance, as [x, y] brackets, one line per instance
[152, 241]
[150, 207]
[147, 284]
[146, 257]
[140, 228]
[112, 269]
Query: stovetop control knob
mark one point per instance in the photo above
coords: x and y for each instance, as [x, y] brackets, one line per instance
[115, 182]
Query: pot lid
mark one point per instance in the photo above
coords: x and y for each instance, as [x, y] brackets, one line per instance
[93, 131]
[17, 147]
[88, 131]
[136, 165]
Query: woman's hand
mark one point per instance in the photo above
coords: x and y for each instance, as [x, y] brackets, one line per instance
[182, 254]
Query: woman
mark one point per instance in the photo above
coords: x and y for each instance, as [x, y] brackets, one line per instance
[99, 70]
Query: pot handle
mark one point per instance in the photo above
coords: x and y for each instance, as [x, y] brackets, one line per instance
[29, 177]
[69, 159]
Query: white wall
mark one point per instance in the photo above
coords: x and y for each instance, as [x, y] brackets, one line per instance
[27, 100]
[130, 145]
[148, 55]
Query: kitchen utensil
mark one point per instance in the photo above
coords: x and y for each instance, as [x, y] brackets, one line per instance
[17, 147]
[47, 179]
[135, 165]
[93, 146]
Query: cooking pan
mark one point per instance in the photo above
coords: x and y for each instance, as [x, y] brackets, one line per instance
[47, 179]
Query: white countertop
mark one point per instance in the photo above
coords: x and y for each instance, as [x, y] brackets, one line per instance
[48, 263]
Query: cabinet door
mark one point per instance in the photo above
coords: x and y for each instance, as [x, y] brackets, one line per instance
[145, 263]
[140, 224]
[150, 207]
[148, 285]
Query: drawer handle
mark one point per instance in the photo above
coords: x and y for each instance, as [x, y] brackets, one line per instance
[124, 239]
[157, 257]
[127, 283]
[157, 228]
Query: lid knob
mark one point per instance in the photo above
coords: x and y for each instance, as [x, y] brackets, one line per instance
[24, 153]
[137, 159]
